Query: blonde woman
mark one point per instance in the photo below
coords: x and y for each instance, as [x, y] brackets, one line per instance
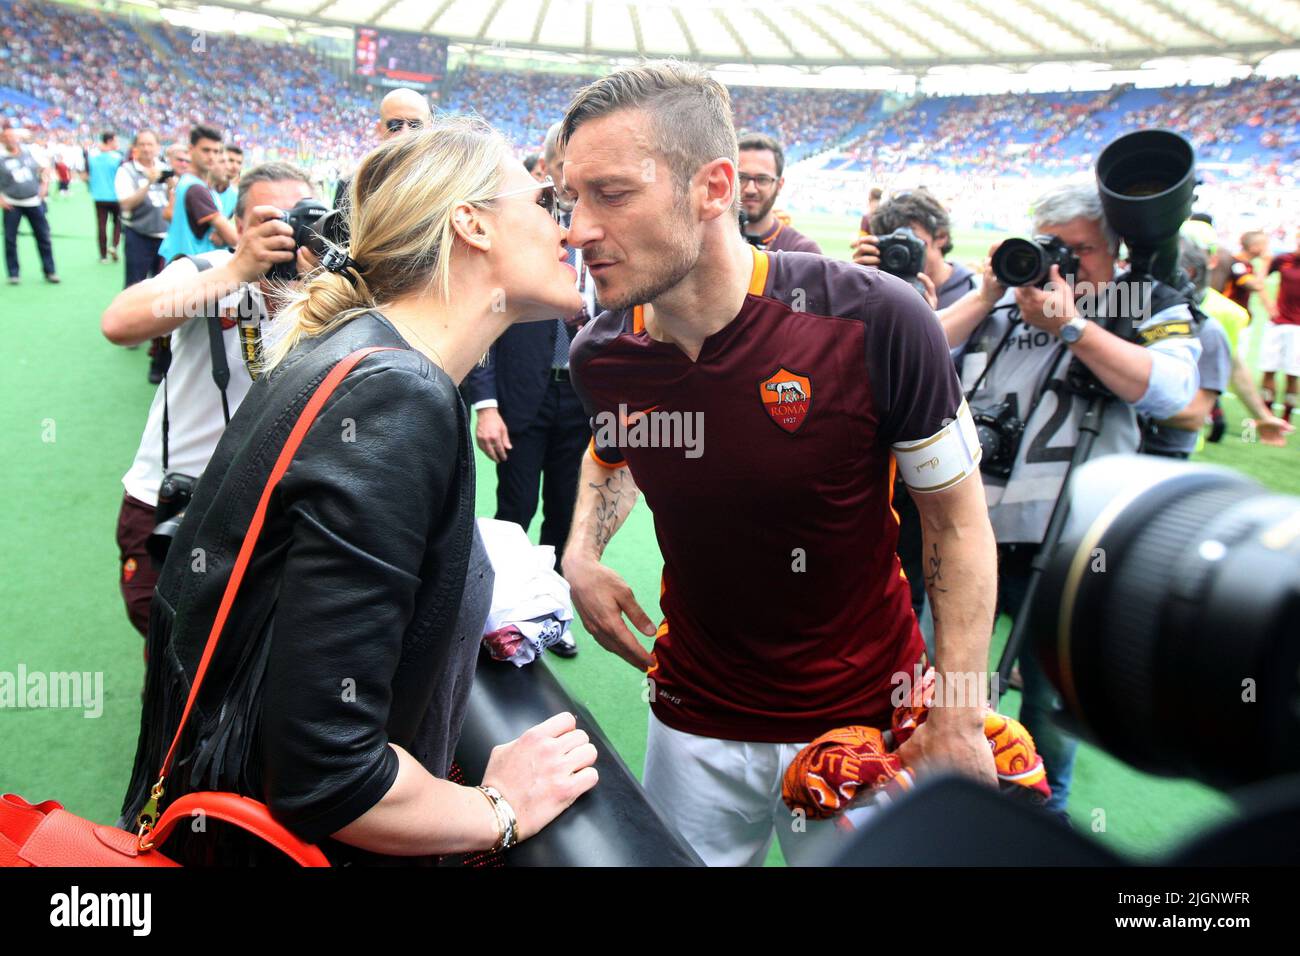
[337, 692]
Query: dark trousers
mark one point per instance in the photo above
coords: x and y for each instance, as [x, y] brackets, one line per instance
[142, 259]
[547, 453]
[35, 216]
[136, 572]
[102, 211]
[1039, 700]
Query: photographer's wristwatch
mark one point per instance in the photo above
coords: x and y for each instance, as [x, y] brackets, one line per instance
[1071, 331]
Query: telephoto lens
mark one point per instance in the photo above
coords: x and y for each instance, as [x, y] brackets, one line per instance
[1028, 262]
[1169, 618]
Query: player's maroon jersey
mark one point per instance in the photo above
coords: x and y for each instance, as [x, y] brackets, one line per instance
[785, 238]
[1288, 289]
[1240, 267]
[786, 613]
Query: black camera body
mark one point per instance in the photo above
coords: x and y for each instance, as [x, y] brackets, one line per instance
[174, 496]
[166, 174]
[902, 253]
[1000, 430]
[316, 226]
[1025, 262]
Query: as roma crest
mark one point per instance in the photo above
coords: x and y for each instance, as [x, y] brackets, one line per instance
[787, 397]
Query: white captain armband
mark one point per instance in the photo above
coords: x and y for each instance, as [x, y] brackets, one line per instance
[945, 458]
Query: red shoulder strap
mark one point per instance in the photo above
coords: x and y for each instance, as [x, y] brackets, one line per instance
[291, 445]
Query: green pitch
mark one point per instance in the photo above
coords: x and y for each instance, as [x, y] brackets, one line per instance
[71, 413]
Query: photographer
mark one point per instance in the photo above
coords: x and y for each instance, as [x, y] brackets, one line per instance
[141, 186]
[1018, 346]
[177, 302]
[919, 211]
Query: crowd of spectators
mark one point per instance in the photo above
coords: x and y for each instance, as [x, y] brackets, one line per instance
[1251, 122]
[83, 71]
[73, 73]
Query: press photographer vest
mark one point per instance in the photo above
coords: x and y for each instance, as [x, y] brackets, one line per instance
[146, 217]
[1032, 366]
[20, 178]
[180, 239]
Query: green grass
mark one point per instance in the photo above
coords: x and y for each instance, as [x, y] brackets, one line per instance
[72, 407]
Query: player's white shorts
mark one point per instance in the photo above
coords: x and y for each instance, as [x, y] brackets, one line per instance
[724, 797]
[1280, 350]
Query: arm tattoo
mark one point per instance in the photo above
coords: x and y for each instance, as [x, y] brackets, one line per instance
[933, 571]
[611, 493]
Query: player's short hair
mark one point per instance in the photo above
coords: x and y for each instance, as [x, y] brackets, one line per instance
[913, 206]
[267, 173]
[201, 131]
[135, 140]
[1204, 217]
[876, 193]
[530, 161]
[107, 136]
[762, 141]
[233, 148]
[690, 113]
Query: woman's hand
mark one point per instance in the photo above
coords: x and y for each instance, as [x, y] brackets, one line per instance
[543, 771]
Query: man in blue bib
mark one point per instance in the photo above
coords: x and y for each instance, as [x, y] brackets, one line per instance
[102, 169]
[197, 221]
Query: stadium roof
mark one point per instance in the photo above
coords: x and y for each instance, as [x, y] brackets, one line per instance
[912, 36]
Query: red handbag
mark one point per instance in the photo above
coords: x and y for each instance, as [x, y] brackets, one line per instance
[47, 835]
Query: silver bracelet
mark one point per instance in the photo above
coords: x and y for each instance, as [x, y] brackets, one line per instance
[507, 823]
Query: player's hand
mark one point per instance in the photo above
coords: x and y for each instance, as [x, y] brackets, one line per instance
[931, 296]
[601, 598]
[951, 745]
[268, 241]
[865, 251]
[491, 434]
[7, 207]
[1272, 430]
[542, 771]
[990, 288]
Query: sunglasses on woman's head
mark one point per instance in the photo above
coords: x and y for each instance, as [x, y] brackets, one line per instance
[548, 199]
[396, 124]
